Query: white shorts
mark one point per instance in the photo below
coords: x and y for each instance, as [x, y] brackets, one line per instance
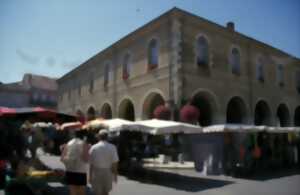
[101, 180]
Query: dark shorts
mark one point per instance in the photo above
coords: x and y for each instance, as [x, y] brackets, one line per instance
[73, 178]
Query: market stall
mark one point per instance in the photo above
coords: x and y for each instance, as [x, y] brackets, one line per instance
[244, 149]
[153, 143]
[217, 149]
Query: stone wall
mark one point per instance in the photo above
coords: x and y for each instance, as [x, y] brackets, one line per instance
[178, 79]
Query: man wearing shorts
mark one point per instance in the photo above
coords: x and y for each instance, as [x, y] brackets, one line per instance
[103, 165]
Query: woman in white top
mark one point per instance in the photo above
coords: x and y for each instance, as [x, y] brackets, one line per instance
[75, 158]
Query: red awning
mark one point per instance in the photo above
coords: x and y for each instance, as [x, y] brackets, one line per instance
[4, 111]
[37, 114]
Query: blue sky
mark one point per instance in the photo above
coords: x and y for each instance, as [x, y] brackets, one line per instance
[52, 37]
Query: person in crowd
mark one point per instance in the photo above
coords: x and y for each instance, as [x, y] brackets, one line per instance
[37, 140]
[103, 165]
[75, 157]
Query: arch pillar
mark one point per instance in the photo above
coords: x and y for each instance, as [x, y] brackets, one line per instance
[296, 116]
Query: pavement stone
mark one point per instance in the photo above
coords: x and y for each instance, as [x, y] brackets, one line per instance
[185, 182]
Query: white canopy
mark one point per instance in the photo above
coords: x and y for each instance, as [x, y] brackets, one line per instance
[42, 125]
[283, 129]
[158, 127]
[111, 124]
[116, 124]
[233, 128]
[248, 128]
[71, 126]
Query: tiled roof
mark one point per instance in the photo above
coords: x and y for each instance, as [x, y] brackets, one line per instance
[13, 87]
[40, 82]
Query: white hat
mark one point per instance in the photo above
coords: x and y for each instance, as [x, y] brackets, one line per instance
[103, 132]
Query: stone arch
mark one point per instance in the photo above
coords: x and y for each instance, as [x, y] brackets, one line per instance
[283, 115]
[206, 102]
[91, 113]
[126, 110]
[151, 101]
[297, 117]
[106, 111]
[79, 113]
[202, 34]
[236, 111]
[262, 113]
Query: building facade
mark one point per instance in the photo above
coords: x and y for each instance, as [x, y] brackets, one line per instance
[32, 91]
[180, 58]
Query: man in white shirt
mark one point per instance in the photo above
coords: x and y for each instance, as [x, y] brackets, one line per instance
[103, 165]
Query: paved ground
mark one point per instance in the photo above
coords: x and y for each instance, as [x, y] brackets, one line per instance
[219, 185]
[190, 182]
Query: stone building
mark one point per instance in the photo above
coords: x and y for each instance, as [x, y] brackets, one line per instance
[181, 58]
[32, 91]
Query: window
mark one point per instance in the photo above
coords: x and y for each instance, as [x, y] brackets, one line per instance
[106, 74]
[260, 70]
[44, 97]
[35, 97]
[91, 88]
[69, 94]
[298, 81]
[235, 61]
[53, 98]
[202, 52]
[280, 75]
[126, 67]
[152, 54]
[79, 89]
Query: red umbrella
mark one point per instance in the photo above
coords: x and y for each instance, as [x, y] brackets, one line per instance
[44, 113]
[35, 114]
[4, 111]
[39, 109]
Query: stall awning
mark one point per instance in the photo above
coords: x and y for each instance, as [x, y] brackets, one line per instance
[159, 127]
[112, 124]
[4, 111]
[248, 128]
[36, 114]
